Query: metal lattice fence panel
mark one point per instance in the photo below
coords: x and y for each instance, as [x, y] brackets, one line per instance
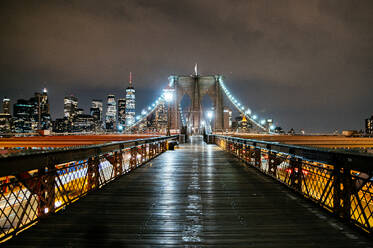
[328, 178]
[29, 195]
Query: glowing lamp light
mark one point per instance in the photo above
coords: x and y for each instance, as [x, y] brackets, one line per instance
[272, 127]
[138, 117]
[57, 204]
[168, 96]
[255, 117]
[210, 114]
[149, 108]
[143, 112]
[153, 105]
[263, 122]
[120, 127]
[248, 111]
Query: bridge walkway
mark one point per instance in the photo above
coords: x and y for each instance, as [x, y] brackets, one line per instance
[195, 196]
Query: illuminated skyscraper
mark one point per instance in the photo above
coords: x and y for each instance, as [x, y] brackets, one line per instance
[96, 109]
[369, 125]
[130, 103]
[41, 113]
[23, 113]
[227, 118]
[6, 105]
[111, 114]
[121, 113]
[70, 107]
[160, 121]
[96, 113]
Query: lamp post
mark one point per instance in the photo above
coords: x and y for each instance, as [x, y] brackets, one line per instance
[210, 114]
[168, 95]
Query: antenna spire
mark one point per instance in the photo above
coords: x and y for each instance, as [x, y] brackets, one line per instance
[196, 69]
[130, 78]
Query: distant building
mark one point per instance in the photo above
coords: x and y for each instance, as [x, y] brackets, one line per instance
[369, 125]
[79, 111]
[160, 121]
[61, 125]
[235, 123]
[96, 109]
[6, 105]
[130, 103]
[83, 123]
[157, 121]
[269, 124]
[30, 115]
[279, 130]
[227, 115]
[23, 121]
[41, 111]
[96, 113]
[111, 114]
[5, 123]
[243, 125]
[121, 114]
[70, 107]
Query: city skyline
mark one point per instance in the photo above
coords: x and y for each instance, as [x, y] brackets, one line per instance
[87, 105]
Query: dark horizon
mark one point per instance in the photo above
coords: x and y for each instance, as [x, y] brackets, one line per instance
[306, 64]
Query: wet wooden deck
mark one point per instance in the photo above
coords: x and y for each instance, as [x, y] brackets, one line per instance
[195, 196]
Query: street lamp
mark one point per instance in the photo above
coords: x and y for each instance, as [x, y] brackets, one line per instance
[120, 128]
[210, 114]
[168, 95]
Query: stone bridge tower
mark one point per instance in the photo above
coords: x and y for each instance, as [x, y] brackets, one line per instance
[196, 86]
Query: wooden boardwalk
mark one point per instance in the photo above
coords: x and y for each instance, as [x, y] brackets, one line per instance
[196, 196]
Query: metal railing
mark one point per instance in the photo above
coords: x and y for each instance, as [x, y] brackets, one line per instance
[35, 185]
[340, 182]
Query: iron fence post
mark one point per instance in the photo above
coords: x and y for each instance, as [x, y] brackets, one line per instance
[272, 167]
[133, 157]
[93, 173]
[247, 152]
[337, 188]
[257, 156]
[46, 194]
[120, 160]
[295, 173]
[346, 192]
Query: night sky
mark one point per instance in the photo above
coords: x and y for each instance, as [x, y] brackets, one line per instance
[306, 64]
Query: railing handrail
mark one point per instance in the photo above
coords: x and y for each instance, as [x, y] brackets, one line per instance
[361, 162]
[23, 161]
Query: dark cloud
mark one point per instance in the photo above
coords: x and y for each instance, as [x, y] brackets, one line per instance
[307, 64]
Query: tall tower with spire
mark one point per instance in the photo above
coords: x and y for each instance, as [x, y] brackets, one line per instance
[130, 103]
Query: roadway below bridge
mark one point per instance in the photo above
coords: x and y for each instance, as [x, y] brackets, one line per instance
[59, 141]
[325, 141]
[195, 196]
